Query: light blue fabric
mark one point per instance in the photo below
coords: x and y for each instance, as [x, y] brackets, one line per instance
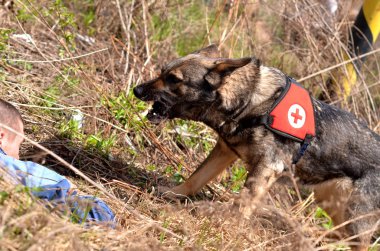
[98, 211]
[51, 186]
[31, 174]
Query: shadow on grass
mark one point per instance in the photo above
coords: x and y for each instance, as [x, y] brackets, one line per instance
[96, 165]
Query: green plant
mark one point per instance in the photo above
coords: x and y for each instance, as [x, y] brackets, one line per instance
[235, 178]
[175, 173]
[88, 17]
[206, 229]
[125, 108]
[77, 210]
[101, 144]
[23, 65]
[171, 27]
[4, 37]
[193, 135]
[24, 15]
[169, 170]
[3, 197]
[66, 17]
[324, 219]
[375, 246]
[70, 130]
[50, 96]
[239, 175]
[84, 13]
[151, 167]
[341, 247]
[178, 178]
[25, 204]
[61, 16]
[194, 38]
[162, 27]
[68, 77]
[165, 224]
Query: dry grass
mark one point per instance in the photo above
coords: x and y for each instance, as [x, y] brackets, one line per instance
[59, 73]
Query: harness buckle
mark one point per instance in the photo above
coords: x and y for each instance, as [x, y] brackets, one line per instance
[266, 119]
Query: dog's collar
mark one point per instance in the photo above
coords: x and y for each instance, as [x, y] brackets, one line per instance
[291, 116]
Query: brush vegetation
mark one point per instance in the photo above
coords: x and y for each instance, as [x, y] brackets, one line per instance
[72, 76]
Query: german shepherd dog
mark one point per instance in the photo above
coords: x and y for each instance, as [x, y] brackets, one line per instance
[342, 163]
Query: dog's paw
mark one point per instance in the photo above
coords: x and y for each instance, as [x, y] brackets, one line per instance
[162, 190]
[169, 193]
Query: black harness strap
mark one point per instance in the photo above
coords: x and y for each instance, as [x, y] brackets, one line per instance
[253, 121]
[303, 149]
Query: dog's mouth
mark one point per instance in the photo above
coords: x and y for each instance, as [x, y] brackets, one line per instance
[158, 113]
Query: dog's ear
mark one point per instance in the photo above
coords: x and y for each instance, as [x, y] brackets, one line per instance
[220, 67]
[224, 65]
[210, 51]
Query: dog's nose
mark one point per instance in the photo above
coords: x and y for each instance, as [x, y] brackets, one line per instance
[138, 91]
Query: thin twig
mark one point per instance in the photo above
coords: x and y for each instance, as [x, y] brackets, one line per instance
[56, 60]
[338, 65]
[118, 6]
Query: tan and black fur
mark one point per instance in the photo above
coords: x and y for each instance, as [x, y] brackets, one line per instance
[343, 162]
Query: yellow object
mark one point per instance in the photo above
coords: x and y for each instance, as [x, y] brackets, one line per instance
[371, 10]
[349, 78]
[371, 13]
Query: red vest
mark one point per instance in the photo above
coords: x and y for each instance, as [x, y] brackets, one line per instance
[292, 115]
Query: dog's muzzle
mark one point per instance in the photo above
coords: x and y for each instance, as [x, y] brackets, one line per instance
[139, 92]
[159, 111]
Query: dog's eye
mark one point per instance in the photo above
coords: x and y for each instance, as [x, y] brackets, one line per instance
[172, 79]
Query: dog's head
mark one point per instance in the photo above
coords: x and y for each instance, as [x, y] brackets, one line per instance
[188, 83]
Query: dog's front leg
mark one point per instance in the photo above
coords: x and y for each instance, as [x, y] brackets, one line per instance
[262, 175]
[219, 159]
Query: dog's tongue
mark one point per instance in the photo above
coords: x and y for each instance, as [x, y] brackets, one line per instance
[157, 113]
